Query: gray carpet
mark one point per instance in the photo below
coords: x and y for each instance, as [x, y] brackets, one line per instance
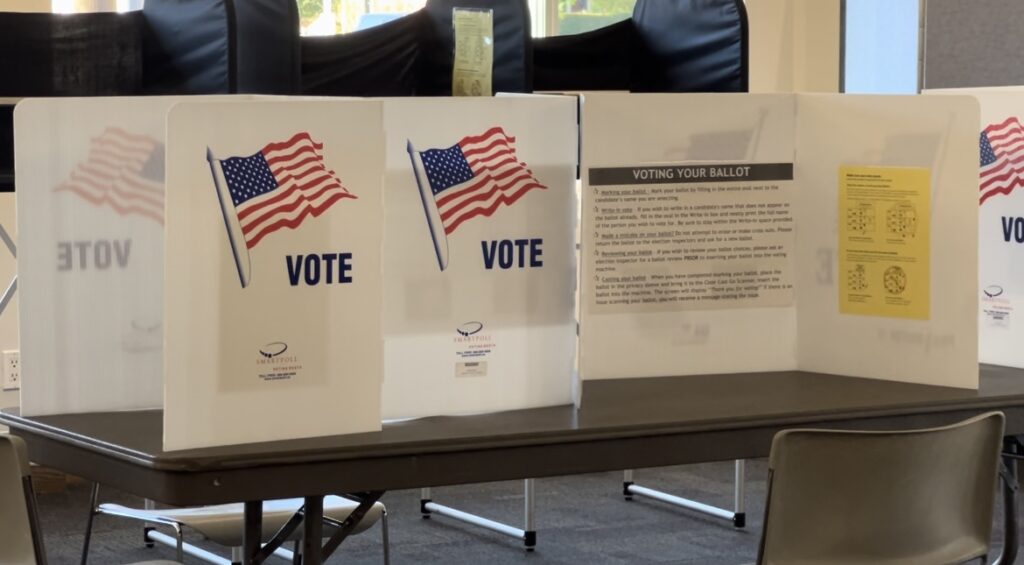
[580, 519]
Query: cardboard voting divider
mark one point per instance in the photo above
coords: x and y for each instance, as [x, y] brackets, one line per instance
[282, 306]
[479, 255]
[1000, 223]
[90, 176]
[779, 232]
[222, 268]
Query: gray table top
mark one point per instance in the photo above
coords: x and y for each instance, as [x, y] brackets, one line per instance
[612, 409]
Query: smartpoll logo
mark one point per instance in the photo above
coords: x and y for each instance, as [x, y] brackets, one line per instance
[996, 306]
[471, 342]
[274, 365]
[469, 328]
[474, 178]
[278, 187]
[993, 291]
[273, 349]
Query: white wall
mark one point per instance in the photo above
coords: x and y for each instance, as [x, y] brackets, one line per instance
[25, 6]
[8, 268]
[794, 45]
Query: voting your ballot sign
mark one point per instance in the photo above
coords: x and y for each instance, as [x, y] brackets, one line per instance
[690, 262]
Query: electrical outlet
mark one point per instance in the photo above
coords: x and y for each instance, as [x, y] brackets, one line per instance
[12, 369]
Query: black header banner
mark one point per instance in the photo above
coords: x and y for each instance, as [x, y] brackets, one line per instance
[689, 174]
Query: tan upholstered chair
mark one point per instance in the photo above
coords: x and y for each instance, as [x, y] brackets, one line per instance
[882, 498]
[21, 542]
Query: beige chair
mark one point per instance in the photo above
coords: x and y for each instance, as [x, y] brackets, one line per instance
[223, 524]
[882, 498]
[21, 541]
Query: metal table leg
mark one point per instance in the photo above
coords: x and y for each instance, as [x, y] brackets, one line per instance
[737, 515]
[528, 534]
[252, 532]
[1011, 542]
[313, 531]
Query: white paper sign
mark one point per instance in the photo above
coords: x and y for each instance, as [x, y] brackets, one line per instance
[273, 291]
[479, 256]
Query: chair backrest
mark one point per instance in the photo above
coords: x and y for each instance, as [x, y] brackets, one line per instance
[513, 55]
[96, 54]
[690, 46]
[18, 544]
[379, 61]
[922, 496]
[221, 46]
[595, 60]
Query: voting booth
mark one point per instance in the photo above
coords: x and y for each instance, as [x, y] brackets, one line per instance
[749, 233]
[217, 258]
[479, 258]
[1000, 222]
[225, 257]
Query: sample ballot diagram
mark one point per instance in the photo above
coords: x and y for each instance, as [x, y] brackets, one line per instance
[860, 218]
[901, 220]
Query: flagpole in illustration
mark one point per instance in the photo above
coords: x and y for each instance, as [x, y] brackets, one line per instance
[437, 232]
[227, 207]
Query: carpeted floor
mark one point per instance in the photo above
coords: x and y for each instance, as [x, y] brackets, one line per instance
[580, 519]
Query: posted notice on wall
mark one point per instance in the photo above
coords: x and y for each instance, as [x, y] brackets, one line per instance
[689, 236]
[474, 52]
[884, 241]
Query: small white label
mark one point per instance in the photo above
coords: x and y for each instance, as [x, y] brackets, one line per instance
[472, 369]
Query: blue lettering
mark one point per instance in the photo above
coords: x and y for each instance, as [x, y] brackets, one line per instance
[1013, 228]
[508, 253]
[316, 268]
[328, 269]
[536, 252]
[344, 267]
[312, 269]
[505, 254]
[294, 269]
[488, 254]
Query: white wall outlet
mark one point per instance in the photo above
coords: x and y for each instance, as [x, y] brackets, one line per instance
[12, 369]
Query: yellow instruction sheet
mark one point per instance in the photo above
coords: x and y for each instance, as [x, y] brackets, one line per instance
[474, 52]
[884, 241]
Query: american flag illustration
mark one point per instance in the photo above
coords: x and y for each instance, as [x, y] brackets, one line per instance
[122, 171]
[280, 186]
[476, 176]
[1002, 155]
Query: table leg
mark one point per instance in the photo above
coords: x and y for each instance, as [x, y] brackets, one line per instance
[313, 531]
[252, 533]
[1011, 538]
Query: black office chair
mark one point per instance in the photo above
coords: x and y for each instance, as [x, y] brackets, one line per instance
[596, 60]
[380, 61]
[513, 58]
[666, 46]
[690, 46]
[217, 47]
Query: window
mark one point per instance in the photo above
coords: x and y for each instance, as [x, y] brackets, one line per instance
[550, 17]
[578, 16]
[329, 17]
